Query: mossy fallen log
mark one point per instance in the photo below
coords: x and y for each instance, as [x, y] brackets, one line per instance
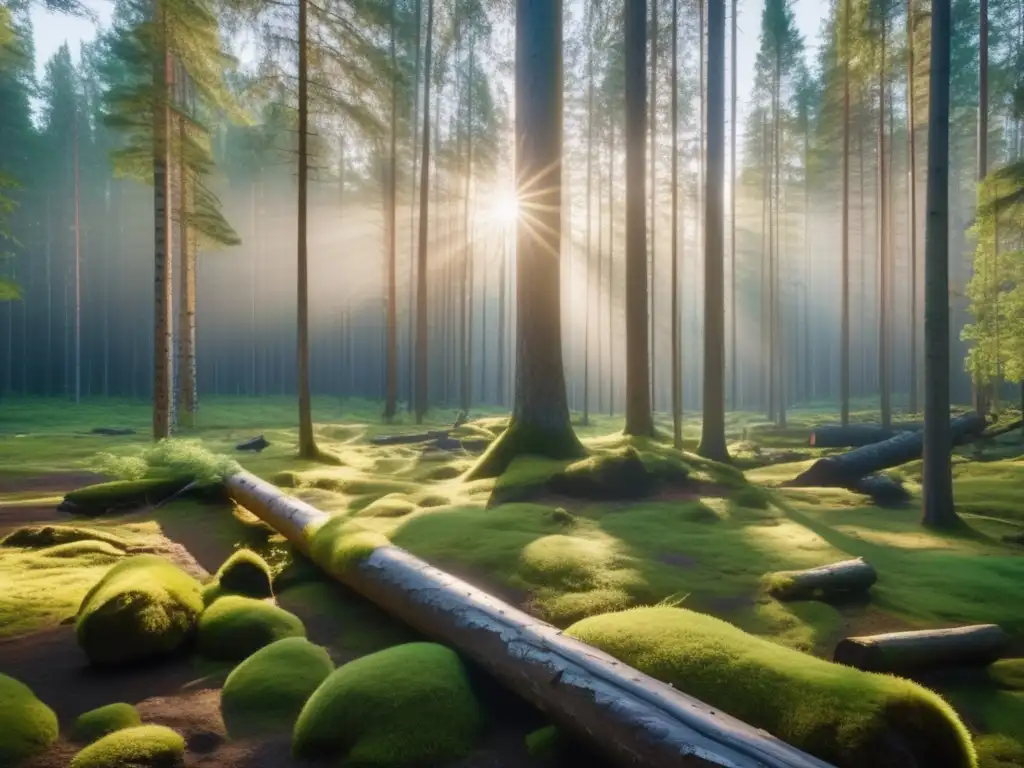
[122, 495]
[883, 490]
[905, 653]
[843, 579]
[845, 469]
[849, 436]
[629, 716]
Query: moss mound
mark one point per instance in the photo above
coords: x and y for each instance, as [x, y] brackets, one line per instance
[144, 746]
[620, 475]
[268, 690]
[246, 573]
[842, 715]
[122, 494]
[336, 547]
[41, 536]
[408, 705]
[234, 627]
[94, 551]
[27, 726]
[99, 722]
[143, 607]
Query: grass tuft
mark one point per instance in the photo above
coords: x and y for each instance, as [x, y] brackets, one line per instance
[233, 627]
[168, 458]
[405, 706]
[144, 746]
[97, 723]
[27, 726]
[842, 715]
[268, 690]
[142, 608]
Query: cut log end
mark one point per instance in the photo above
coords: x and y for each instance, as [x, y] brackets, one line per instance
[910, 652]
[844, 579]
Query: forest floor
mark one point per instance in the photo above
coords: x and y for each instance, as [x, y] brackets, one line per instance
[707, 551]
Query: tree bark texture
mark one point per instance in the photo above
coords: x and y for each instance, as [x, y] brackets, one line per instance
[905, 653]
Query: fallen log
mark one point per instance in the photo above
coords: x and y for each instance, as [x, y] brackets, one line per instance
[255, 444]
[850, 436]
[844, 470]
[410, 439]
[629, 716]
[882, 489]
[904, 653]
[843, 579]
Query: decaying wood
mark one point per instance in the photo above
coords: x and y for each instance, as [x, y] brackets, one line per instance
[882, 489]
[627, 715]
[844, 470]
[909, 652]
[849, 577]
[850, 436]
[410, 439]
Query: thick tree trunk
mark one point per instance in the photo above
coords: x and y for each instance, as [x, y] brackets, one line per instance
[981, 387]
[904, 653]
[847, 468]
[712, 439]
[849, 577]
[422, 338]
[653, 153]
[638, 392]
[733, 180]
[633, 718]
[163, 347]
[307, 442]
[187, 300]
[540, 419]
[937, 477]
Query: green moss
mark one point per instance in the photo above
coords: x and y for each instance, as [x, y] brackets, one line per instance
[544, 742]
[246, 573]
[406, 706]
[999, 752]
[234, 627]
[142, 608]
[95, 551]
[169, 458]
[122, 494]
[27, 726]
[336, 546]
[144, 746]
[520, 439]
[268, 690]
[40, 536]
[847, 717]
[97, 723]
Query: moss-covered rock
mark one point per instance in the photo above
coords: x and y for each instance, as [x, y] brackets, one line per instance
[246, 573]
[27, 726]
[143, 607]
[144, 746]
[97, 723]
[235, 627]
[40, 536]
[842, 715]
[409, 705]
[268, 690]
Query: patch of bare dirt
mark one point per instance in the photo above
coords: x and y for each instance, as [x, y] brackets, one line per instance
[52, 482]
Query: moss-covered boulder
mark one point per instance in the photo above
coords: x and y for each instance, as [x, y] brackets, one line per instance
[842, 715]
[97, 723]
[268, 690]
[27, 726]
[144, 746]
[40, 536]
[143, 607]
[235, 627]
[409, 705]
[246, 573]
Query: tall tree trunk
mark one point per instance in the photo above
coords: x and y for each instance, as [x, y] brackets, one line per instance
[937, 480]
[912, 213]
[590, 184]
[162, 303]
[391, 386]
[733, 369]
[78, 277]
[48, 273]
[981, 388]
[778, 354]
[502, 319]
[677, 374]
[599, 280]
[883, 242]
[712, 438]
[187, 296]
[653, 343]
[844, 332]
[412, 211]
[307, 443]
[611, 262]
[638, 393]
[540, 419]
[467, 274]
[421, 265]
